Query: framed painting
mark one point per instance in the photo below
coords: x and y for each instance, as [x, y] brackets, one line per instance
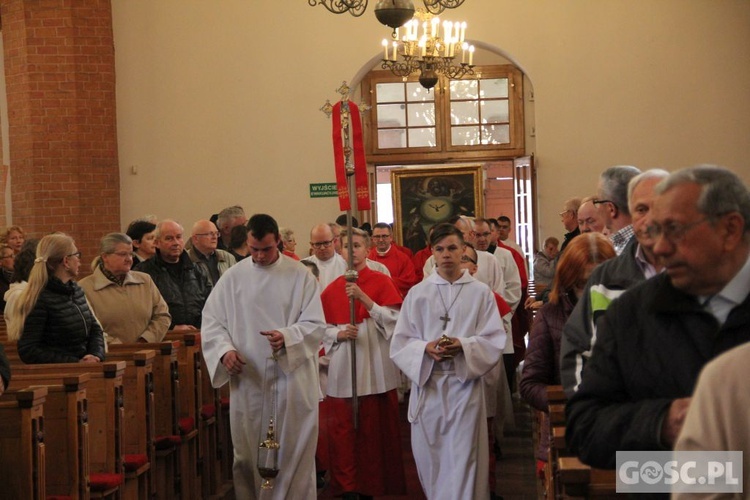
[423, 197]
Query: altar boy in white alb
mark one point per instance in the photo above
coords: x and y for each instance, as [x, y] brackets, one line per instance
[446, 406]
[267, 304]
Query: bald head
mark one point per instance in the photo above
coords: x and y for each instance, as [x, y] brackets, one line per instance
[205, 236]
[169, 240]
[322, 241]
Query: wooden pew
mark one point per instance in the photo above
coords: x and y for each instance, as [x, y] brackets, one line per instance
[581, 481]
[139, 452]
[167, 388]
[556, 420]
[22, 449]
[106, 414]
[570, 477]
[216, 452]
[192, 409]
[66, 432]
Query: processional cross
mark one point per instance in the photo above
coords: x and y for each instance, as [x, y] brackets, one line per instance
[348, 174]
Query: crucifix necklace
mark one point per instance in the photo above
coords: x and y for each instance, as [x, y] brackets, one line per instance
[445, 319]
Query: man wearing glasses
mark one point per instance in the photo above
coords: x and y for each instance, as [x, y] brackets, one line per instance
[654, 339]
[330, 264]
[205, 252]
[612, 200]
[398, 263]
[611, 279]
[569, 219]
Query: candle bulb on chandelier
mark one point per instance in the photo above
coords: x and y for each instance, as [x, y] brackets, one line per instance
[385, 49]
[395, 46]
[463, 32]
[471, 55]
[464, 49]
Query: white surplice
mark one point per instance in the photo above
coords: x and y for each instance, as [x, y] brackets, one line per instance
[329, 269]
[336, 266]
[511, 275]
[376, 372]
[248, 299]
[446, 406]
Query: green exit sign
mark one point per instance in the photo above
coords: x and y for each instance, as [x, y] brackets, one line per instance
[323, 190]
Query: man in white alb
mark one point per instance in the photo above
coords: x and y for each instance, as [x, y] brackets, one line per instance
[267, 304]
[330, 264]
[448, 335]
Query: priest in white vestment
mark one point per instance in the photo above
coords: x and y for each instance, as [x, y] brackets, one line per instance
[330, 264]
[447, 403]
[267, 304]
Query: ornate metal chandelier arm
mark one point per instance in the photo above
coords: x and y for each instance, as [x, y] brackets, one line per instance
[454, 72]
[401, 68]
[354, 7]
[438, 6]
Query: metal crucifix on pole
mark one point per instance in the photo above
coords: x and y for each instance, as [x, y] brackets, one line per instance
[351, 177]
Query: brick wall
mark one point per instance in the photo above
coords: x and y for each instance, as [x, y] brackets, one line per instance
[60, 77]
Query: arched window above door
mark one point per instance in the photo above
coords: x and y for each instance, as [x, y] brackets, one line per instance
[481, 118]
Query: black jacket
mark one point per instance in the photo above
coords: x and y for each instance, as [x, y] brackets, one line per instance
[4, 366]
[185, 287]
[651, 345]
[60, 328]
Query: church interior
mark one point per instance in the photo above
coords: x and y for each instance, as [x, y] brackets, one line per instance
[112, 110]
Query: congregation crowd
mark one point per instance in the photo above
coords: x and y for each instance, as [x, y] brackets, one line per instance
[650, 284]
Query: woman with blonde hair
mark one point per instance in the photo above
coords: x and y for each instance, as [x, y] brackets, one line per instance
[14, 238]
[51, 319]
[542, 363]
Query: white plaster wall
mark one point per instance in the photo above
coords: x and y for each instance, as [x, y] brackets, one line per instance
[218, 101]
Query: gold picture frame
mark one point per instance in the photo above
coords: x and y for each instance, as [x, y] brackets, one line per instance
[423, 197]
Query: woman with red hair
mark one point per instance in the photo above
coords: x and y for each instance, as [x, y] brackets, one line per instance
[542, 364]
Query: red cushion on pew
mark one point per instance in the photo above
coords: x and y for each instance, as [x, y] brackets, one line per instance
[224, 403]
[166, 442]
[186, 424]
[134, 462]
[102, 481]
[208, 411]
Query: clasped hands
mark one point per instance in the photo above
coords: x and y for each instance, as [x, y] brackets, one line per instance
[445, 351]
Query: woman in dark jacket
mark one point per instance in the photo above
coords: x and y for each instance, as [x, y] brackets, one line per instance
[542, 364]
[51, 319]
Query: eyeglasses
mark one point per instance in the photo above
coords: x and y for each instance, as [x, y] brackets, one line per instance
[321, 244]
[672, 232]
[380, 236]
[565, 212]
[123, 254]
[466, 258]
[484, 235]
[212, 234]
[77, 254]
[599, 202]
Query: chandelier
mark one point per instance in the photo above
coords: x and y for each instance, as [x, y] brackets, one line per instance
[393, 13]
[429, 53]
